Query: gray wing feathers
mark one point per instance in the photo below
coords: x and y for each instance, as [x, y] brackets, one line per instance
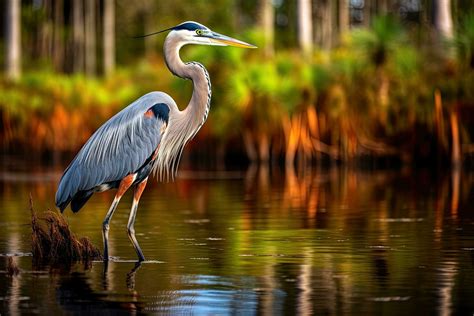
[116, 149]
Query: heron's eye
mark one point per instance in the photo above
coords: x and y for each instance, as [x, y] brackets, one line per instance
[199, 32]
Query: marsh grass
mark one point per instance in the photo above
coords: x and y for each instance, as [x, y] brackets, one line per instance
[53, 242]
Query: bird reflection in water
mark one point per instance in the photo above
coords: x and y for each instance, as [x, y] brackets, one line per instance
[75, 293]
[130, 279]
[131, 276]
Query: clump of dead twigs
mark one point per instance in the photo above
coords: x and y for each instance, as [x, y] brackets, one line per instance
[53, 241]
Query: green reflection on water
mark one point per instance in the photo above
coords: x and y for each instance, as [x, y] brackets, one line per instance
[332, 241]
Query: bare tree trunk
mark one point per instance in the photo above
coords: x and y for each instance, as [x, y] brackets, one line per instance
[267, 22]
[58, 43]
[456, 142]
[425, 13]
[249, 146]
[47, 33]
[382, 7]
[442, 143]
[90, 37]
[367, 13]
[78, 34]
[292, 129]
[456, 190]
[443, 19]
[305, 26]
[13, 40]
[383, 90]
[264, 147]
[343, 16]
[326, 7]
[313, 127]
[109, 36]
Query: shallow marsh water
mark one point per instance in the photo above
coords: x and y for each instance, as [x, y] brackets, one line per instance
[335, 241]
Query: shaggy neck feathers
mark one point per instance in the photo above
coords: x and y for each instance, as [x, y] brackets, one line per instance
[183, 125]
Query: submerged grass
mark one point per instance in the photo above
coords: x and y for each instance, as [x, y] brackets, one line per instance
[52, 240]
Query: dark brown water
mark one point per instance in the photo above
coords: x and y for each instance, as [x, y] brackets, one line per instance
[258, 241]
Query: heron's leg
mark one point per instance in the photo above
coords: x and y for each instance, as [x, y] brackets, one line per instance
[105, 227]
[123, 187]
[131, 220]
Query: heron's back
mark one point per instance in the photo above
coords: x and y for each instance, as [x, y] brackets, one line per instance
[119, 147]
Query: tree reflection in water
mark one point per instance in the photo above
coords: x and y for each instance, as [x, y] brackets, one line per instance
[267, 241]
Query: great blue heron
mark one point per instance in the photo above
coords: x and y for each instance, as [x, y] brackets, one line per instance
[147, 136]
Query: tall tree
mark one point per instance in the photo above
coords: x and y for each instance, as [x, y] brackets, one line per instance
[58, 41]
[326, 23]
[443, 19]
[443, 22]
[343, 16]
[305, 26]
[78, 34]
[382, 7]
[90, 37]
[267, 24]
[109, 36]
[13, 40]
[367, 13]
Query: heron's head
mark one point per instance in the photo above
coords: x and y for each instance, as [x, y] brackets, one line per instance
[195, 33]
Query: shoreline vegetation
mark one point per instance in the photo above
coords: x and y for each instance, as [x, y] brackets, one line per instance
[388, 89]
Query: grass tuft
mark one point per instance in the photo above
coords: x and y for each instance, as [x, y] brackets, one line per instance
[52, 240]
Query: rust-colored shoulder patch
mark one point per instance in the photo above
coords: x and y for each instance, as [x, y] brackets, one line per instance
[160, 111]
[149, 114]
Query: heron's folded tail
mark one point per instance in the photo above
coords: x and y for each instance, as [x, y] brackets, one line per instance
[77, 201]
[63, 194]
[62, 205]
[80, 199]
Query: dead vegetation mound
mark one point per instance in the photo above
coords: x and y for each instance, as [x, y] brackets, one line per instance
[52, 240]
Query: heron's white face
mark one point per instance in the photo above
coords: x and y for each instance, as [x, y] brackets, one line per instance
[192, 37]
[204, 36]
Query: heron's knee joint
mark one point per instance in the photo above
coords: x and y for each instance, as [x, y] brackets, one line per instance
[130, 231]
[105, 226]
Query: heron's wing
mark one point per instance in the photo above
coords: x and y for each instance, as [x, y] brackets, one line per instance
[118, 148]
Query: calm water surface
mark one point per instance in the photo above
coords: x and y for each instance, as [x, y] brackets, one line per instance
[256, 241]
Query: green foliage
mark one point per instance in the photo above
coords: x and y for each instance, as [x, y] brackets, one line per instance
[378, 43]
[376, 82]
[464, 41]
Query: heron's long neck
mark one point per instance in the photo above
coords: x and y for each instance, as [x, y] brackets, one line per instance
[197, 110]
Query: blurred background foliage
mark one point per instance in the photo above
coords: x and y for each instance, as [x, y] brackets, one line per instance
[352, 81]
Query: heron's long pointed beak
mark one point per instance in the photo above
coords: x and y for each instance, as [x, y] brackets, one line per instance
[228, 41]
